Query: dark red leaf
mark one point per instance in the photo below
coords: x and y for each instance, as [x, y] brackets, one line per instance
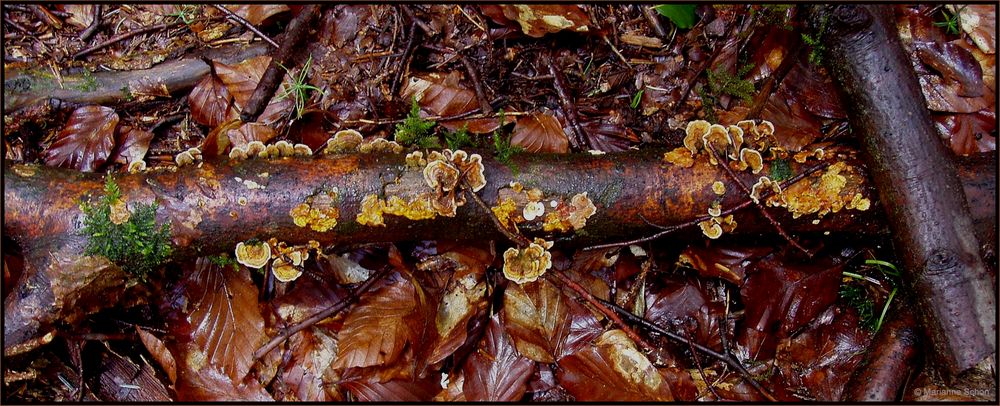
[968, 133]
[955, 64]
[380, 326]
[820, 360]
[211, 103]
[540, 132]
[683, 304]
[544, 324]
[496, 373]
[87, 140]
[612, 370]
[248, 132]
[133, 143]
[310, 129]
[728, 262]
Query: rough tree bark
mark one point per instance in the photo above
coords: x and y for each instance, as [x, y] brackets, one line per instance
[930, 220]
[213, 205]
[32, 86]
[889, 361]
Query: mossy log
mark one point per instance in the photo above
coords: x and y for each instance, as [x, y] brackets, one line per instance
[211, 206]
[916, 184]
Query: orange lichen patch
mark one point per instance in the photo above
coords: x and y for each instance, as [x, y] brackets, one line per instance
[343, 141]
[693, 134]
[506, 212]
[554, 223]
[418, 208]
[528, 264]
[253, 255]
[284, 271]
[371, 211]
[319, 211]
[719, 188]
[839, 187]
[582, 209]
[680, 156]
[711, 229]
[119, 212]
[380, 146]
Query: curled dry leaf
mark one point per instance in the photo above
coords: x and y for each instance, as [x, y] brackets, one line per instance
[464, 297]
[211, 103]
[380, 326]
[539, 19]
[85, 143]
[445, 95]
[686, 305]
[496, 373]
[241, 80]
[133, 143]
[308, 374]
[544, 324]
[256, 14]
[540, 132]
[394, 390]
[80, 15]
[612, 370]
[979, 21]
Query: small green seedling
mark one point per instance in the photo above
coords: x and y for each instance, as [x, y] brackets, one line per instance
[951, 22]
[859, 297]
[299, 89]
[416, 131]
[186, 13]
[460, 138]
[128, 238]
[637, 99]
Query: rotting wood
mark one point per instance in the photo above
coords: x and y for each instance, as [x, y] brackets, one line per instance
[931, 224]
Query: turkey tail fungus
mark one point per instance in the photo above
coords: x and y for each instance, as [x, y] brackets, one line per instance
[917, 184]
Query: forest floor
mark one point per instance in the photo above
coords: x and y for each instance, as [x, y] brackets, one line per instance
[123, 88]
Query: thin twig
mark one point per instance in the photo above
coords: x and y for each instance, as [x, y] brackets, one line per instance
[614, 49]
[46, 16]
[728, 359]
[670, 229]
[760, 205]
[518, 239]
[407, 55]
[124, 36]
[320, 315]
[599, 304]
[242, 21]
[469, 115]
[697, 363]
[94, 25]
[484, 103]
[580, 137]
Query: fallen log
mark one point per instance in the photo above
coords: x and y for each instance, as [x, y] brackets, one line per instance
[916, 183]
[211, 206]
[29, 87]
[890, 360]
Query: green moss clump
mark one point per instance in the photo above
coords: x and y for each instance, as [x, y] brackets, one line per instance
[416, 131]
[780, 170]
[128, 238]
[504, 149]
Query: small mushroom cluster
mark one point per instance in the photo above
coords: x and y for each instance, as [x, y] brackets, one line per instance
[527, 264]
[188, 157]
[280, 149]
[348, 141]
[740, 143]
[286, 262]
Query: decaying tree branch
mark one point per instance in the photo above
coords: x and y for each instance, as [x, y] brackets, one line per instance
[889, 361]
[930, 221]
[210, 206]
[109, 88]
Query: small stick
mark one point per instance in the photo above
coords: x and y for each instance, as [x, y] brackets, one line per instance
[46, 16]
[760, 205]
[484, 103]
[272, 77]
[407, 55]
[697, 363]
[599, 304]
[653, 19]
[581, 138]
[94, 25]
[320, 315]
[242, 21]
[124, 36]
[616, 52]
[671, 229]
[518, 239]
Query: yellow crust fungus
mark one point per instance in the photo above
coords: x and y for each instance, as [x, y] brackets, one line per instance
[528, 264]
[583, 208]
[319, 212]
[506, 211]
[371, 211]
[680, 156]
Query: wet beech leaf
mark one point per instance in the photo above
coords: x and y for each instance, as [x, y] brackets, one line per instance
[133, 143]
[241, 79]
[539, 19]
[820, 360]
[464, 297]
[979, 21]
[308, 375]
[782, 296]
[211, 385]
[496, 373]
[85, 143]
[211, 103]
[445, 95]
[728, 262]
[159, 352]
[613, 369]
[257, 13]
[244, 134]
[540, 132]
[396, 390]
[682, 304]
[955, 64]
[968, 133]
[311, 129]
[380, 326]
[544, 324]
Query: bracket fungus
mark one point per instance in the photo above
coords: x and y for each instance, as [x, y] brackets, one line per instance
[255, 255]
[527, 264]
[694, 134]
[533, 210]
[343, 141]
[188, 157]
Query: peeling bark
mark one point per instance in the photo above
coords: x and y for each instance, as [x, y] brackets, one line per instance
[917, 184]
[211, 206]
